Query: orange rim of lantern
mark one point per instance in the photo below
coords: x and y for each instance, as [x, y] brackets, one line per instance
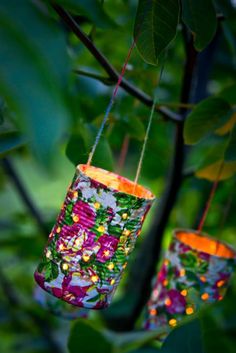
[202, 242]
[93, 237]
[196, 270]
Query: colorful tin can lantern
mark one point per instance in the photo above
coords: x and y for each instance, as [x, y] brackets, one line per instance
[58, 307]
[95, 232]
[195, 271]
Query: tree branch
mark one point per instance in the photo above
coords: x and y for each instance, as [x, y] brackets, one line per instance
[11, 172]
[110, 70]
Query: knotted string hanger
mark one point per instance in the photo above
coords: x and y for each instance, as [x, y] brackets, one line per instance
[210, 198]
[110, 104]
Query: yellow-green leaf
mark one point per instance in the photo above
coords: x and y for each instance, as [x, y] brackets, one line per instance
[209, 115]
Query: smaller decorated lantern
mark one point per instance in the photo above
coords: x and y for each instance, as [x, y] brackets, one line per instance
[196, 270]
[95, 232]
[58, 307]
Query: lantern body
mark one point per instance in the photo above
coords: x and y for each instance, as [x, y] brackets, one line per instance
[58, 307]
[196, 270]
[94, 234]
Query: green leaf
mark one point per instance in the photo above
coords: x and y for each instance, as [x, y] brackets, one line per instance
[134, 127]
[85, 338]
[228, 126]
[76, 151]
[126, 341]
[30, 82]
[155, 27]
[80, 145]
[10, 141]
[225, 150]
[230, 153]
[211, 171]
[229, 94]
[229, 37]
[54, 269]
[207, 116]
[186, 338]
[219, 326]
[200, 17]
[92, 9]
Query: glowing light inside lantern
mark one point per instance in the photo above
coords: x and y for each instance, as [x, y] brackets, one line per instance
[101, 229]
[75, 194]
[115, 181]
[204, 296]
[205, 244]
[61, 247]
[168, 302]
[97, 205]
[189, 310]
[127, 250]
[75, 218]
[86, 257]
[65, 266]
[110, 266]
[165, 282]
[48, 254]
[173, 322]
[203, 279]
[220, 283]
[94, 278]
[106, 253]
[153, 312]
[166, 262]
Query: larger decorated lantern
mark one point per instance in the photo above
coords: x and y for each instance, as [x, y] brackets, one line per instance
[95, 232]
[196, 270]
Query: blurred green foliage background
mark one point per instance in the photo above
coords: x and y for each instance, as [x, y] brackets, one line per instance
[53, 95]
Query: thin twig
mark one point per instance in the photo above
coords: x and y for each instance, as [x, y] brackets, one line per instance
[110, 70]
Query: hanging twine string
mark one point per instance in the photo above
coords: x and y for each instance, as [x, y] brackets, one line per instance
[109, 107]
[145, 143]
[147, 132]
[210, 198]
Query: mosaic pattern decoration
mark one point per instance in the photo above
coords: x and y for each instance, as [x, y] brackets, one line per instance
[59, 307]
[196, 270]
[95, 232]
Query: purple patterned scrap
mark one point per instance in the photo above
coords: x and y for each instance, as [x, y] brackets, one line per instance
[196, 270]
[95, 232]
